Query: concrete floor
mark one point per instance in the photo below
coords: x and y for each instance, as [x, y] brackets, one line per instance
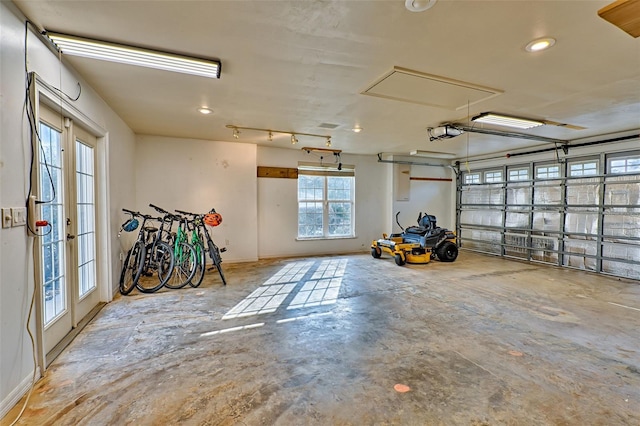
[482, 341]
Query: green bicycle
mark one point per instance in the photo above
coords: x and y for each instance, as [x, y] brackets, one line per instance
[185, 260]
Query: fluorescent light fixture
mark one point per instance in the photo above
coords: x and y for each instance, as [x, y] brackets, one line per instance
[96, 49]
[505, 120]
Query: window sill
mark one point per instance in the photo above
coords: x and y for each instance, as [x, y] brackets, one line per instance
[350, 237]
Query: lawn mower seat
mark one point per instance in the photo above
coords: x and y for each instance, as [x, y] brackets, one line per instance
[426, 224]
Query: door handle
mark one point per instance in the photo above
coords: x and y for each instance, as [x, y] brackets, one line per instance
[70, 237]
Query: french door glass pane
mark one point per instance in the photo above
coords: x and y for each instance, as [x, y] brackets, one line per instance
[52, 210]
[86, 218]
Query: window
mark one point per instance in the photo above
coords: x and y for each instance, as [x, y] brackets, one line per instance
[471, 178]
[624, 165]
[587, 168]
[493, 176]
[519, 174]
[547, 172]
[325, 202]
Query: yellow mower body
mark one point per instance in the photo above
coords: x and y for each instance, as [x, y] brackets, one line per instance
[403, 252]
[418, 244]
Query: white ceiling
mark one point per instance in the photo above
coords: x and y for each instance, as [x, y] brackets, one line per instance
[293, 65]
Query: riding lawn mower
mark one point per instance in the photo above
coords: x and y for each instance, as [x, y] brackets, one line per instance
[418, 244]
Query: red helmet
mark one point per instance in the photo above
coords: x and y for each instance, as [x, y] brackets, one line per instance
[212, 219]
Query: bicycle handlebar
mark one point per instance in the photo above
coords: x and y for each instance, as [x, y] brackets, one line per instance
[187, 213]
[131, 212]
[161, 210]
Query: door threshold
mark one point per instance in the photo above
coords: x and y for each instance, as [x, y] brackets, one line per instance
[66, 340]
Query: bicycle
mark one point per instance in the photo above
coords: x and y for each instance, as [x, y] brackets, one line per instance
[159, 258]
[213, 219]
[134, 260]
[198, 245]
[148, 255]
[185, 260]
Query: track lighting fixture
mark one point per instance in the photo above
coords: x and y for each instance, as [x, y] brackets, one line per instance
[270, 132]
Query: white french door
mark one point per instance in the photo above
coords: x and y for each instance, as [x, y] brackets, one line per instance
[68, 267]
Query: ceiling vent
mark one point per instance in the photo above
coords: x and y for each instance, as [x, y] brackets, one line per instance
[328, 125]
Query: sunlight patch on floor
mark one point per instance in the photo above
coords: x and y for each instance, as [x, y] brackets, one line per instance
[270, 295]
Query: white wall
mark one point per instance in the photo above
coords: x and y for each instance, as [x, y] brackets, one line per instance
[278, 206]
[16, 265]
[197, 175]
[432, 197]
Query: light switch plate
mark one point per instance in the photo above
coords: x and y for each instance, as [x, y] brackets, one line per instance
[19, 215]
[6, 218]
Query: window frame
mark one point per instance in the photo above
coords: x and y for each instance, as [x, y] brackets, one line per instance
[476, 178]
[519, 177]
[327, 173]
[634, 155]
[582, 163]
[547, 167]
[493, 176]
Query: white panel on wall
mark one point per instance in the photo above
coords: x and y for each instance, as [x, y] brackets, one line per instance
[401, 182]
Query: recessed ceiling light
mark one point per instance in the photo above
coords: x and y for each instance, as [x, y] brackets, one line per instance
[205, 110]
[540, 44]
[419, 5]
[357, 129]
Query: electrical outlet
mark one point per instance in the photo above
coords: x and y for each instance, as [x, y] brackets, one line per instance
[7, 219]
[121, 257]
[19, 215]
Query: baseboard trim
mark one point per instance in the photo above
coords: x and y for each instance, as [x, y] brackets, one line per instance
[16, 395]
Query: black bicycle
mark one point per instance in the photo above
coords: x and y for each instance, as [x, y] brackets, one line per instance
[149, 256]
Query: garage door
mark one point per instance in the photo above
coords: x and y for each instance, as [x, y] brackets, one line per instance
[583, 212]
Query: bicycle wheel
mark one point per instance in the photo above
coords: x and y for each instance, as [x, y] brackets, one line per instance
[214, 252]
[160, 260]
[201, 260]
[132, 267]
[184, 266]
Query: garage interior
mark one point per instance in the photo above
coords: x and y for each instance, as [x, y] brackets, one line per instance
[325, 125]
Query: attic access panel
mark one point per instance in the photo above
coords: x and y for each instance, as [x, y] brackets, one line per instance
[406, 85]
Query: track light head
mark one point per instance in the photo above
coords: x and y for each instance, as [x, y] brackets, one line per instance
[270, 136]
[236, 133]
[328, 141]
[294, 140]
